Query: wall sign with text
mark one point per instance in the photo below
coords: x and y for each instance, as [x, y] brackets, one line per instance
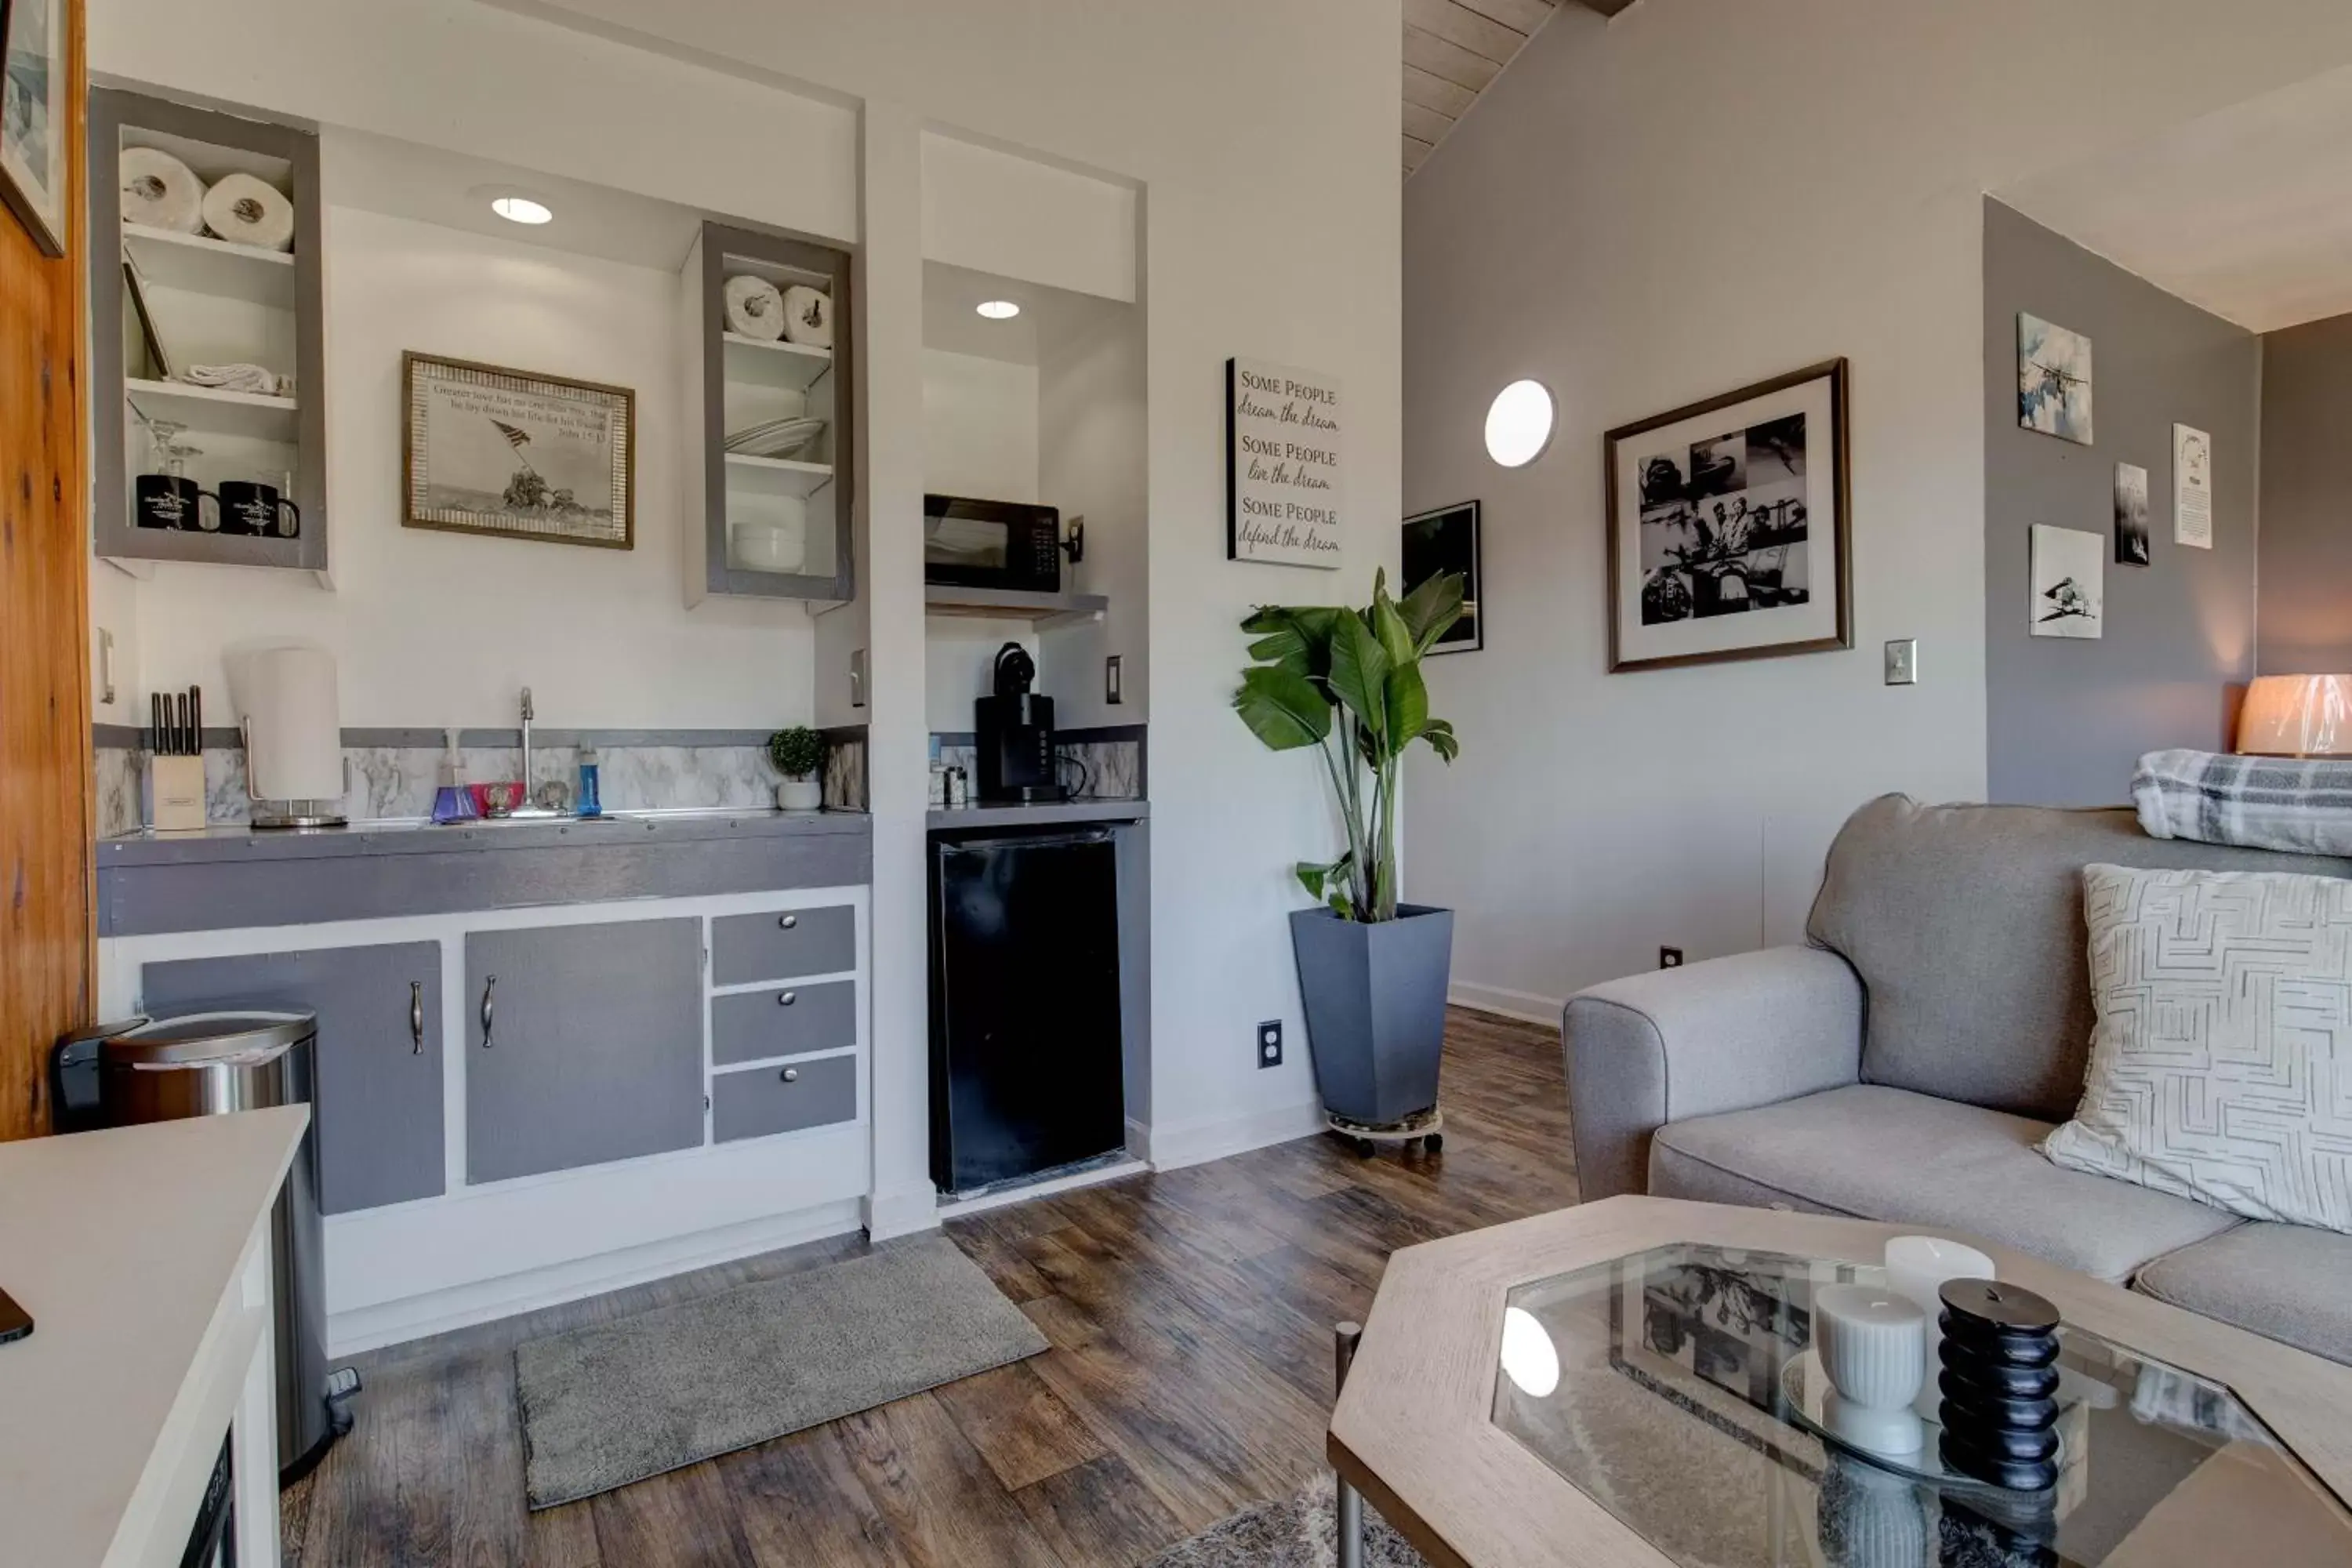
[1283, 465]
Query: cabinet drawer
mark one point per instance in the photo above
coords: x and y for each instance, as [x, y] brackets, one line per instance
[783, 945]
[751, 1025]
[762, 1100]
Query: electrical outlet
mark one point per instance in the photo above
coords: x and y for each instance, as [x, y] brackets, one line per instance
[1903, 662]
[1115, 680]
[1670, 958]
[1269, 1043]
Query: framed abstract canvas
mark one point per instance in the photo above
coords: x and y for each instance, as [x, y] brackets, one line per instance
[1728, 526]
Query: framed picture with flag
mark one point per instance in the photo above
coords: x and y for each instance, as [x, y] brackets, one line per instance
[517, 454]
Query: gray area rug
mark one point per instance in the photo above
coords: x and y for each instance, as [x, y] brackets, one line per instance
[606, 1405]
[1301, 1532]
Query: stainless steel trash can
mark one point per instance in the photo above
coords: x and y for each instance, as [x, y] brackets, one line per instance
[208, 1064]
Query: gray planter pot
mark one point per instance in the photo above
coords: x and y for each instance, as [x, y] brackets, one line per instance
[1375, 999]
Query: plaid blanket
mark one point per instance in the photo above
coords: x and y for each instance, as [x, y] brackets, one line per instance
[2262, 803]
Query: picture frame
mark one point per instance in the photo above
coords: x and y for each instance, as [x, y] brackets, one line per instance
[34, 118]
[1446, 540]
[2055, 384]
[1729, 527]
[517, 454]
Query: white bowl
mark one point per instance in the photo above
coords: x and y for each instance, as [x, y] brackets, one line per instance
[767, 546]
[1872, 1344]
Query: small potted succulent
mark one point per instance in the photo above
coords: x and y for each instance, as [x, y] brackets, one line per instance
[798, 753]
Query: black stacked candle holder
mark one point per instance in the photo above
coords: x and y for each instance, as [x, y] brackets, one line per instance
[1999, 1385]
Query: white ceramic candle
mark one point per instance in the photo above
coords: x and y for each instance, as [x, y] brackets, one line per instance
[1916, 1268]
[1873, 1344]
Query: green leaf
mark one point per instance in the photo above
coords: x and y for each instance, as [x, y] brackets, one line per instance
[1408, 704]
[1311, 877]
[1396, 637]
[1431, 609]
[1282, 708]
[1440, 736]
[1298, 639]
[1359, 667]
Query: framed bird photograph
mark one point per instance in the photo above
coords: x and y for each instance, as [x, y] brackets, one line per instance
[516, 454]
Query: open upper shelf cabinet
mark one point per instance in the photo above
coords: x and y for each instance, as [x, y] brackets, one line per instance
[208, 301]
[778, 525]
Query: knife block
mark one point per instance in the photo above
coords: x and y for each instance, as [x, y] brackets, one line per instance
[175, 788]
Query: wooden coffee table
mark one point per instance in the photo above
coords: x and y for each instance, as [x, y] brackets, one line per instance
[1634, 1414]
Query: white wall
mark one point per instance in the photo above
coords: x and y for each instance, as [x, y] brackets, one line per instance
[1091, 464]
[979, 426]
[435, 628]
[1653, 210]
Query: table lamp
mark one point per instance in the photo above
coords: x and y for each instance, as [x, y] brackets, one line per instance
[2296, 716]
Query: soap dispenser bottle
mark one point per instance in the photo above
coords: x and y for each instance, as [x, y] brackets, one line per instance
[589, 803]
[454, 801]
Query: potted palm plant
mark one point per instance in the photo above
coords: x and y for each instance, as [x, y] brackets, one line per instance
[798, 753]
[1372, 971]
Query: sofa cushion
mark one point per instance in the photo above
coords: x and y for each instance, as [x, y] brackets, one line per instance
[2286, 1282]
[1966, 925]
[2225, 1004]
[1881, 1153]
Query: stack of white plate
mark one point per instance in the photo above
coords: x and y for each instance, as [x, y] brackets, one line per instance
[776, 437]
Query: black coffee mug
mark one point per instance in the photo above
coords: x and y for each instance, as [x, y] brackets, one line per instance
[250, 507]
[171, 501]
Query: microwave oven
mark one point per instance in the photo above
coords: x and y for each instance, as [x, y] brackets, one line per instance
[970, 543]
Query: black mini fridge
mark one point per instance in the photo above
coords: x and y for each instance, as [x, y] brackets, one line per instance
[1026, 1041]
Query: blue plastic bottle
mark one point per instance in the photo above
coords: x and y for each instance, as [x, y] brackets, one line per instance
[590, 805]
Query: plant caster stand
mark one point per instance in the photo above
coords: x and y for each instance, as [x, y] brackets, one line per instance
[1427, 1128]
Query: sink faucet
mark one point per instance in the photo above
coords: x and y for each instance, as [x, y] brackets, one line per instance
[525, 806]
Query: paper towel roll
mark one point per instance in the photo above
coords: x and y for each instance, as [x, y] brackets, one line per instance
[250, 210]
[754, 307]
[161, 191]
[294, 726]
[808, 316]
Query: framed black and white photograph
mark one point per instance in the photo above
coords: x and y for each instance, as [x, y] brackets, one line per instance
[2132, 546]
[2069, 589]
[516, 455]
[1446, 540]
[2053, 380]
[32, 115]
[1729, 527]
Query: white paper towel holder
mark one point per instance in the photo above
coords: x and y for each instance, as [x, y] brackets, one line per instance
[289, 812]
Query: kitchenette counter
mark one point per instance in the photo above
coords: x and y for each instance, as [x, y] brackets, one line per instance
[142, 1255]
[1046, 814]
[235, 877]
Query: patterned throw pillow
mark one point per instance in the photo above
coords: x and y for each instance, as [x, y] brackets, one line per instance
[2221, 1062]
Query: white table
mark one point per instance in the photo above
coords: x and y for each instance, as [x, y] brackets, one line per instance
[142, 1255]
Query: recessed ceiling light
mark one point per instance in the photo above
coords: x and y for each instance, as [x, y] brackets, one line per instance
[521, 209]
[998, 309]
[1518, 424]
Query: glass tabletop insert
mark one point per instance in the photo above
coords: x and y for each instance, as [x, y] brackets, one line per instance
[1673, 1388]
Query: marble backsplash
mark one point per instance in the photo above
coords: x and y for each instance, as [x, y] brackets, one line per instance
[395, 781]
[1092, 769]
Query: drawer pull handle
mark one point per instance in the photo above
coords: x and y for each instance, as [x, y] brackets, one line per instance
[416, 1017]
[787, 922]
[490, 1009]
[786, 998]
[792, 1075]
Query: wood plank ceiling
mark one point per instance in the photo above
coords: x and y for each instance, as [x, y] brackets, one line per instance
[1452, 49]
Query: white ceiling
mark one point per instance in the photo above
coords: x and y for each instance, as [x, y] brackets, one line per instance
[1453, 49]
[406, 179]
[2246, 211]
[1049, 317]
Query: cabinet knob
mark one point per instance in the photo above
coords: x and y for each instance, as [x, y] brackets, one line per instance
[792, 1075]
[787, 922]
[786, 998]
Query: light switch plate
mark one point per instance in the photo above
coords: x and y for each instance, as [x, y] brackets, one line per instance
[857, 677]
[1903, 662]
[105, 666]
[1114, 680]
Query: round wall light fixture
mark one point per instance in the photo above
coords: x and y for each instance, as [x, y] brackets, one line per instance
[1518, 424]
[998, 309]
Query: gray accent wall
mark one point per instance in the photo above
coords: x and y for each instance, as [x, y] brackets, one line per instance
[2306, 578]
[2067, 719]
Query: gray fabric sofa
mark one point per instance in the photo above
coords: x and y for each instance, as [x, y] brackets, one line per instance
[1903, 1066]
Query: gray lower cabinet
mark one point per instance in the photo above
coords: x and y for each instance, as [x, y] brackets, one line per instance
[758, 1101]
[752, 1025]
[584, 1045]
[378, 1058]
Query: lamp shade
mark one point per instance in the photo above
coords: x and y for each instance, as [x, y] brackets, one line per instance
[2296, 716]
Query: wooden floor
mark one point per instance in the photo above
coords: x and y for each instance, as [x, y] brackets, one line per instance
[1190, 1377]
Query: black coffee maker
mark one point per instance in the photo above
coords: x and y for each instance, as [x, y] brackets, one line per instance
[1015, 734]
